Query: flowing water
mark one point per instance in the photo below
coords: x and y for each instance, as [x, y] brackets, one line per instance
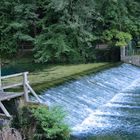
[102, 106]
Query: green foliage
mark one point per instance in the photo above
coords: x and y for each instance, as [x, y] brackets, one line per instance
[17, 18]
[50, 123]
[63, 37]
[123, 39]
[41, 123]
[61, 43]
[117, 38]
[51, 46]
[67, 30]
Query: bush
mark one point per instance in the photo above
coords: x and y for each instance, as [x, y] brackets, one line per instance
[41, 123]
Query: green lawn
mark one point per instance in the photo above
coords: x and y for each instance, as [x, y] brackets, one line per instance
[49, 76]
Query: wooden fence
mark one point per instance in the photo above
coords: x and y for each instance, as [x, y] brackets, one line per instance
[24, 83]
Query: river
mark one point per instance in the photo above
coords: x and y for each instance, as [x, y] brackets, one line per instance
[102, 106]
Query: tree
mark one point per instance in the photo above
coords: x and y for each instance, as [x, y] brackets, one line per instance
[17, 22]
[67, 30]
[64, 37]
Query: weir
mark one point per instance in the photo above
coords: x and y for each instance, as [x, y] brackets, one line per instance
[106, 103]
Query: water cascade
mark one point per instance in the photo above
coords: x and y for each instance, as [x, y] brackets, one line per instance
[106, 103]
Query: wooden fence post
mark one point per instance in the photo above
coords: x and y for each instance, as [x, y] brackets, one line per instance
[0, 76]
[33, 92]
[4, 110]
[25, 81]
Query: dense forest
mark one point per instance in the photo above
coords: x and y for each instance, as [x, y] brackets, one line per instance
[67, 30]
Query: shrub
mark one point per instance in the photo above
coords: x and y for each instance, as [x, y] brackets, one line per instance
[41, 123]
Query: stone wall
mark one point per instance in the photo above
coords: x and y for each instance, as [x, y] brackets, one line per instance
[133, 59]
[10, 134]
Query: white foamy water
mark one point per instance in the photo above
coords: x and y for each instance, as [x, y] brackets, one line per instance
[100, 103]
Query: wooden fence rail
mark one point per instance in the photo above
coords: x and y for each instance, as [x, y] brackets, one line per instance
[25, 84]
[26, 90]
[13, 75]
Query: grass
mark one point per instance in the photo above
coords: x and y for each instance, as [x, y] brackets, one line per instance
[49, 76]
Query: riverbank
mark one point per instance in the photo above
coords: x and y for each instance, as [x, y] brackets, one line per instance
[53, 75]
